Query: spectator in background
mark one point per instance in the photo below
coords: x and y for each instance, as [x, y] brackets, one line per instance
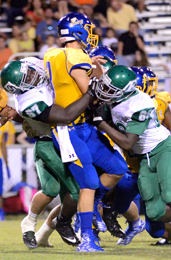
[101, 7]
[46, 27]
[129, 43]
[141, 59]
[98, 31]
[119, 16]
[5, 52]
[31, 31]
[89, 11]
[60, 8]
[25, 44]
[16, 8]
[13, 43]
[96, 18]
[76, 4]
[137, 4]
[110, 37]
[36, 12]
[50, 42]
[120, 58]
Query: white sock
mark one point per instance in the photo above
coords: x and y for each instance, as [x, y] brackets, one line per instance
[42, 235]
[32, 214]
[29, 222]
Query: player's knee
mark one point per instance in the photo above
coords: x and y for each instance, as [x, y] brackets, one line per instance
[155, 229]
[92, 183]
[155, 210]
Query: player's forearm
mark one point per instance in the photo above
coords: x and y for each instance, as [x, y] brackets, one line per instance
[122, 140]
[78, 107]
[70, 113]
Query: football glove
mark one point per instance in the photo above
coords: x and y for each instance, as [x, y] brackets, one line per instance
[92, 86]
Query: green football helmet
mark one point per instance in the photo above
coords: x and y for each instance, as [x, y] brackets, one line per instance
[116, 84]
[17, 77]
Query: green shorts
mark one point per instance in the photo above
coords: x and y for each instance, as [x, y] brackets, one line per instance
[54, 177]
[154, 179]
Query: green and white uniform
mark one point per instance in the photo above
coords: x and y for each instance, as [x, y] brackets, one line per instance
[53, 176]
[137, 115]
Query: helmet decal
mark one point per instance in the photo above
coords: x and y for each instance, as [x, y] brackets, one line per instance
[77, 26]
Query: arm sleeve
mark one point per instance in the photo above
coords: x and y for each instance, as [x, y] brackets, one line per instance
[139, 121]
[135, 127]
[43, 117]
[77, 59]
[34, 110]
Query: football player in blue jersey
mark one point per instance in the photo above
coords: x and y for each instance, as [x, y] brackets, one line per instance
[91, 147]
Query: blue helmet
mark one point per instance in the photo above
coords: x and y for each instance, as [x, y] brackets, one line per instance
[107, 53]
[77, 26]
[142, 79]
[103, 51]
[153, 81]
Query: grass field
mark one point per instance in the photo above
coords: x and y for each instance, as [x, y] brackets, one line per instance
[12, 247]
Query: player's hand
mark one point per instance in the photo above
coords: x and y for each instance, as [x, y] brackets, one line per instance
[92, 86]
[98, 58]
[6, 115]
[99, 114]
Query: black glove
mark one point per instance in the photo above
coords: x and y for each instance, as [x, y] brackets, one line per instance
[99, 114]
[92, 86]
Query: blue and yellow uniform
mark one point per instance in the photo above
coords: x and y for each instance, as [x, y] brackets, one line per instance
[161, 101]
[9, 133]
[90, 145]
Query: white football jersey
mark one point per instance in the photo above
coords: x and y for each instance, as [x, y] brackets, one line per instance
[137, 115]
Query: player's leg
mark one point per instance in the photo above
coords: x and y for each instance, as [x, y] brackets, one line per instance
[86, 175]
[43, 234]
[50, 189]
[68, 185]
[110, 160]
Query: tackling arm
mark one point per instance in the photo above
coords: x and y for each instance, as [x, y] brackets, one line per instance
[125, 141]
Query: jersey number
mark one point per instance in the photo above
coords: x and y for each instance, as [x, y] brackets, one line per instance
[33, 111]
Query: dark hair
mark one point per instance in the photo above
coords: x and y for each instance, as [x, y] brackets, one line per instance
[3, 36]
[133, 22]
[144, 60]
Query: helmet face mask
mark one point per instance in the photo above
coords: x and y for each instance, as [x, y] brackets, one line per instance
[147, 81]
[77, 26]
[17, 77]
[153, 81]
[117, 84]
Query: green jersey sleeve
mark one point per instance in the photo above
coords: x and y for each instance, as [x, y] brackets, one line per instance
[34, 109]
[140, 121]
